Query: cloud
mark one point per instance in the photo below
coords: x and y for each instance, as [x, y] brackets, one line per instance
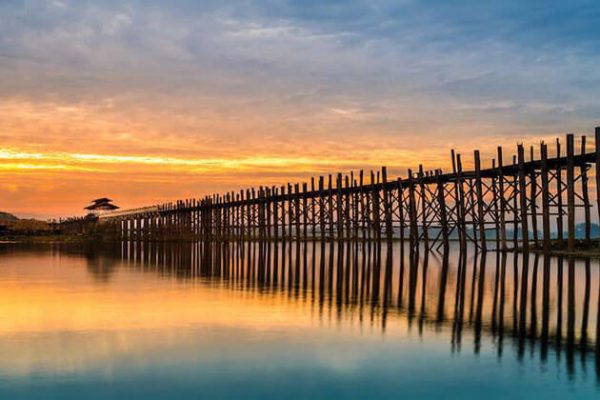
[302, 79]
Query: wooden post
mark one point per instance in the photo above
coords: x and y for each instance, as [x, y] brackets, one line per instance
[321, 209]
[545, 197]
[355, 215]
[559, 196]
[376, 208]
[290, 208]
[269, 226]
[441, 197]
[242, 216]
[502, 196]
[570, 192]
[495, 201]
[401, 215]
[367, 214]
[462, 218]
[275, 215]
[479, 190]
[338, 198]
[523, 198]
[363, 222]
[412, 210]
[283, 213]
[330, 206]
[313, 208]
[304, 213]
[473, 212]
[346, 208]
[297, 210]
[532, 201]
[424, 213]
[515, 198]
[386, 204]
[585, 194]
[261, 216]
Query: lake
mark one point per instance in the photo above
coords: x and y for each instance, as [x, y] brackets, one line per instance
[294, 320]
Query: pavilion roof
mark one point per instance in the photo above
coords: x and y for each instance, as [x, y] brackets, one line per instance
[102, 200]
[103, 203]
[106, 206]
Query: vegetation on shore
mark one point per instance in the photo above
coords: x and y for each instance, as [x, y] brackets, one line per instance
[12, 226]
[28, 230]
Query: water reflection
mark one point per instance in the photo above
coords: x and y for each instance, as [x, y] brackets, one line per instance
[526, 299]
[527, 306]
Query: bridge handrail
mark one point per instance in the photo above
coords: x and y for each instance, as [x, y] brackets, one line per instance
[130, 211]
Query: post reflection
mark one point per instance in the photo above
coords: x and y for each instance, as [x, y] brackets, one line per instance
[476, 299]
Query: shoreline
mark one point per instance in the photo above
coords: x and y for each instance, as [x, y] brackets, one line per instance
[583, 250]
[41, 239]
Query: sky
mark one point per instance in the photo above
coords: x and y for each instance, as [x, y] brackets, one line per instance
[152, 101]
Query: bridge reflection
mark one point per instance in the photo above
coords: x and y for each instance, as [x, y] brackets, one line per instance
[534, 305]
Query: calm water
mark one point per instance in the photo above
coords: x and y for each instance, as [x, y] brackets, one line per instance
[295, 321]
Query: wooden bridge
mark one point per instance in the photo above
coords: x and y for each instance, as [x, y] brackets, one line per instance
[531, 200]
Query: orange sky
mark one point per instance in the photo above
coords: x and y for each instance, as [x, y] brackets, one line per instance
[136, 160]
[157, 103]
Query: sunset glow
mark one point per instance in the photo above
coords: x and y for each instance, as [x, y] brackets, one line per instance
[153, 103]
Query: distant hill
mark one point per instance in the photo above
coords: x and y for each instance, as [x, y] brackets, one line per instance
[11, 225]
[7, 217]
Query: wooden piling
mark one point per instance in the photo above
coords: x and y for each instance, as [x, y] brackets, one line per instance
[570, 193]
[585, 197]
[559, 199]
[479, 192]
[461, 211]
[523, 198]
[441, 198]
[533, 201]
[545, 197]
[424, 213]
[386, 205]
[502, 199]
